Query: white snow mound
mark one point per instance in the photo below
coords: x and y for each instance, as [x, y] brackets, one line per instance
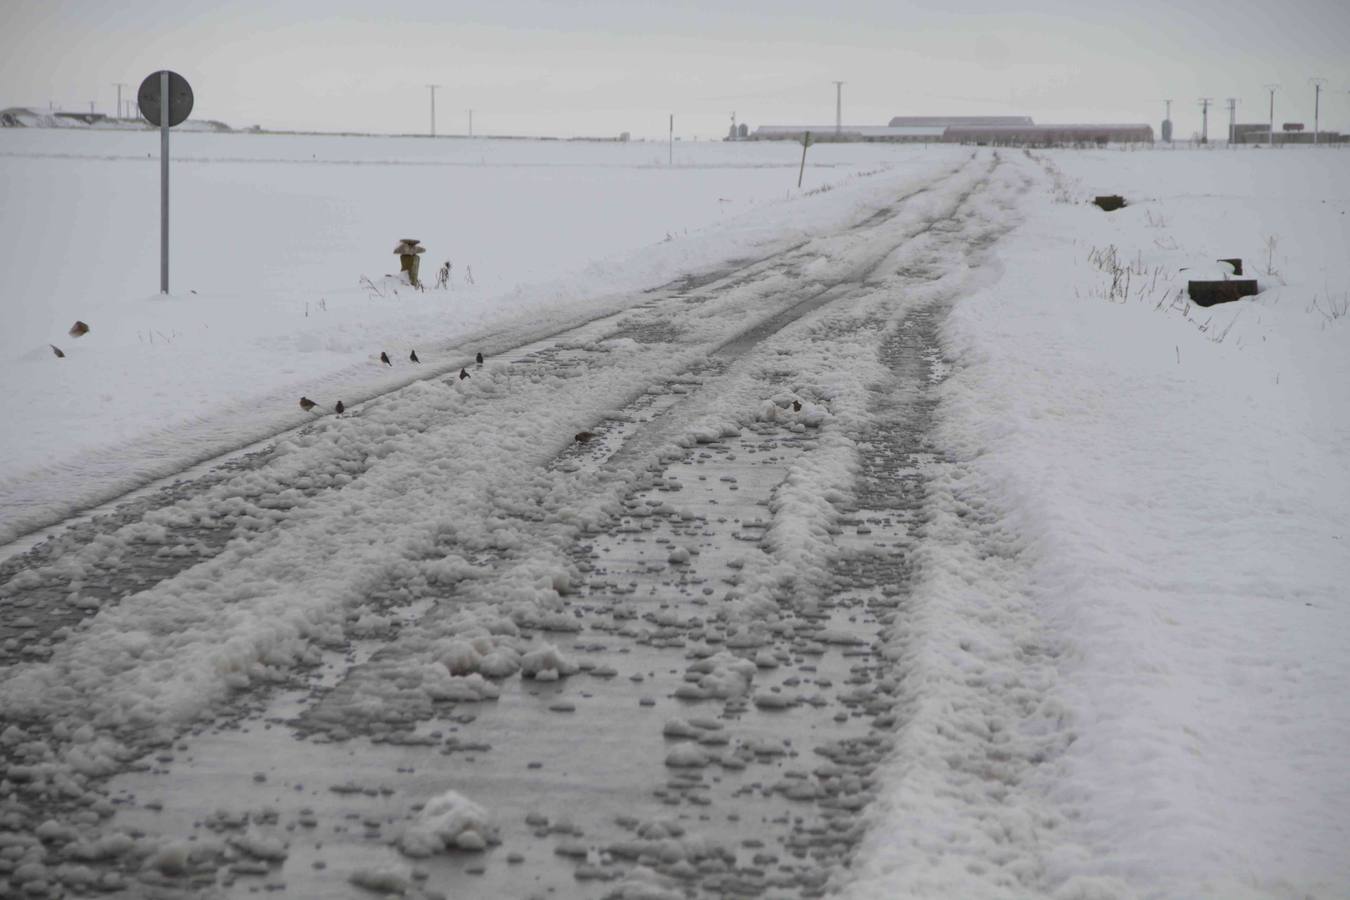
[450, 821]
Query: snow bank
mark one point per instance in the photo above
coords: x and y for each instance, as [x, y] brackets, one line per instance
[1125, 664]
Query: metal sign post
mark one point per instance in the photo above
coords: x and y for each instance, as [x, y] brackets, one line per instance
[164, 188]
[165, 100]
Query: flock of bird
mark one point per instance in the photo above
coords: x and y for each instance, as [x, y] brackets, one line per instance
[309, 405]
[582, 437]
[79, 329]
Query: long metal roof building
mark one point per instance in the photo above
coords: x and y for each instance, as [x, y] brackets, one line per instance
[944, 121]
[1040, 135]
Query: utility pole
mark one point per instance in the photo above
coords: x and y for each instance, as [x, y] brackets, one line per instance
[1317, 106]
[470, 123]
[733, 124]
[1167, 123]
[672, 139]
[433, 87]
[1204, 119]
[1272, 88]
[91, 107]
[838, 108]
[119, 85]
[1232, 120]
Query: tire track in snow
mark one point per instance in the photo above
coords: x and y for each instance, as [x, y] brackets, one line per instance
[88, 566]
[964, 812]
[655, 427]
[766, 456]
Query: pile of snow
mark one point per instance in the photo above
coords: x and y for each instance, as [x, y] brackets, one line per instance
[449, 821]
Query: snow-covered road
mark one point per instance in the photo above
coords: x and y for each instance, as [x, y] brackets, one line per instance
[447, 645]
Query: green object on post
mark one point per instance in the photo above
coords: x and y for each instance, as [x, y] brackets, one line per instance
[408, 250]
[408, 263]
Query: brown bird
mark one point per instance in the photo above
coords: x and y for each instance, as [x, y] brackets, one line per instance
[584, 437]
[384, 358]
[463, 373]
[79, 329]
[57, 351]
[796, 406]
[479, 359]
[413, 356]
[340, 408]
[307, 404]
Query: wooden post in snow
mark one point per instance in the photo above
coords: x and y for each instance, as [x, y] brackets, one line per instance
[806, 142]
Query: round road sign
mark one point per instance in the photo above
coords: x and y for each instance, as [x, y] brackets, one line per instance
[180, 99]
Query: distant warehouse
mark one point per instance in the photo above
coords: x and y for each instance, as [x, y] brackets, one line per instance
[948, 121]
[1003, 131]
[1048, 135]
[856, 133]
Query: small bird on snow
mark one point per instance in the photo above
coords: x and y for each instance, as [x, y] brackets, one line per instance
[796, 406]
[384, 358]
[307, 404]
[463, 373]
[479, 359]
[584, 437]
[340, 408]
[413, 356]
[79, 329]
[57, 351]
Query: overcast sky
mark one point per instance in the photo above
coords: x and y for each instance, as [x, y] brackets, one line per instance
[536, 67]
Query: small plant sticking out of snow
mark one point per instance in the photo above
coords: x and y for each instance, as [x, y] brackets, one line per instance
[1331, 308]
[60, 354]
[79, 329]
[1272, 243]
[371, 287]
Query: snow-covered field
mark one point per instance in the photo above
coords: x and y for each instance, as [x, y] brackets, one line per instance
[271, 236]
[957, 461]
[1171, 484]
